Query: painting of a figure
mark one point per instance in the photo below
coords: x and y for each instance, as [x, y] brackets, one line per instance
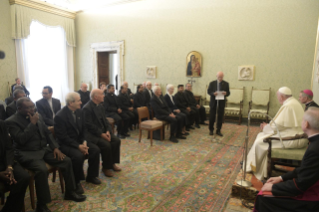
[194, 64]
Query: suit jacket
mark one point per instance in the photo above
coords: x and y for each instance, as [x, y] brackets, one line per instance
[139, 100]
[298, 181]
[30, 140]
[27, 93]
[11, 109]
[110, 104]
[147, 96]
[169, 102]
[85, 97]
[6, 148]
[9, 100]
[212, 88]
[45, 110]
[3, 115]
[311, 104]
[181, 101]
[95, 121]
[160, 108]
[190, 98]
[124, 101]
[67, 131]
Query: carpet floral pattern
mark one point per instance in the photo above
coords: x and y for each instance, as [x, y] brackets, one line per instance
[194, 175]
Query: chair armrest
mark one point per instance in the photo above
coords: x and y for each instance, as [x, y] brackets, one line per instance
[296, 137]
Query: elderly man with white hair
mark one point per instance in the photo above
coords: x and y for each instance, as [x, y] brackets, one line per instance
[129, 92]
[71, 132]
[163, 112]
[288, 120]
[84, 94]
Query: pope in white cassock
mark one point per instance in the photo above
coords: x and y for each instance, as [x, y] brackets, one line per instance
[288, 120]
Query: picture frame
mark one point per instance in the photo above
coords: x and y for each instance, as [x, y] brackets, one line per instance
[151, 72]
[194, 64]
[246, 73]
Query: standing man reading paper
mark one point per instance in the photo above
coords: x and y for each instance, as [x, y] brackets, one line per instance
[217, 90]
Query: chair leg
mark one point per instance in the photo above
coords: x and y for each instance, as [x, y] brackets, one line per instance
[54, 176]
[23, 209]
[61, 180]
[151, 138]
[140, 136]
[162, 134]
[31, 188]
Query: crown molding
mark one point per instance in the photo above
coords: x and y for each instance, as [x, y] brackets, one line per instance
[46, 7]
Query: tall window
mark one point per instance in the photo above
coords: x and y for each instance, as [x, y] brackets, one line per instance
[45, 61]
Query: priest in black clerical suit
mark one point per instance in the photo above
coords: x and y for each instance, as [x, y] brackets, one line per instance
[197, 108]
[113, 110]
[297, 190]
[35, 146]
[12, 108]
[139, 98]
[100, 132]
[18, 179]
[84, 94]
[127, 106]
[70, 130]
[2, 112]
[163, 112]
[48, 106]
[213, 88]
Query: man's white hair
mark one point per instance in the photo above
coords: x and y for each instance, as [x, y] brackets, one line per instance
[154, 89]
[169, 86]
[70, 97]
[148, 82]
[312, 117]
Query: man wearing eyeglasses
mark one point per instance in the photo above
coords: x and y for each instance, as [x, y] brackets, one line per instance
[48, 106]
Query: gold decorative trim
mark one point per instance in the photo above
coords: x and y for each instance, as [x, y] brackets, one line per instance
[314, 61]
[46, 7]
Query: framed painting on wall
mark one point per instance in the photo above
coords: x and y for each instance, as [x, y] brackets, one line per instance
[194, 64]
[151, 72]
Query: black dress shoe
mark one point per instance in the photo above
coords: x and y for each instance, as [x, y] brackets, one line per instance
[173, 139]
[203, 123]
[197, 126]
[219, 133]
[191, 127]
[42, 208]
[188, 129]
[181, 137]
[121, 136]
[211, 133]
[126, 135]
[94, 180]
[186, 133]
[79, 189]
[74, 197]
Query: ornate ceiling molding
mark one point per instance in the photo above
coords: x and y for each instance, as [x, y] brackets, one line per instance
[46, 7]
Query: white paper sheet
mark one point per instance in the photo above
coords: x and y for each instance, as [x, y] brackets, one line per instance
[220, 95]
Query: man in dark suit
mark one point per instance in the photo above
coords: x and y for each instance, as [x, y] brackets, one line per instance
[84, 93]
[3, 115]
[170, 100]
[113, 110]
[18, 83]
[214, 87]
[35, 146]
[12, 108]
[70, 130]
[48, 106]
[197, 108]
[13, 177]
[11, 98]
[297, 190]
[163, 112]
[100, 133]
[183, 104]
[148, 93]
[129, 92]
[127, 106]
[139, 98]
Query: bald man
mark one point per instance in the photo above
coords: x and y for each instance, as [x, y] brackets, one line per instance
[129, 92]
[84, 94]
[297, 190]
[219, 85]
[100, 132]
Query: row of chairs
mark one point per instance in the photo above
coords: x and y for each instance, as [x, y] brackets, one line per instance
[258, 105]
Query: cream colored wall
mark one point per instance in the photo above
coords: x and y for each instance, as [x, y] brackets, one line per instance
[8, 68]
[315, 77]
[277, 36]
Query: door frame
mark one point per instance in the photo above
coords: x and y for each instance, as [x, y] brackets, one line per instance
[112, 46]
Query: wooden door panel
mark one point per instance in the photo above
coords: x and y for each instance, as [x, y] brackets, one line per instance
[103, 67]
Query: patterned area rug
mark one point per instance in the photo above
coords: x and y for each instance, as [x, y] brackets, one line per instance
[193, 175]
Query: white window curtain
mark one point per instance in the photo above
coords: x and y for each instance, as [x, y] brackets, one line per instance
[44, 58]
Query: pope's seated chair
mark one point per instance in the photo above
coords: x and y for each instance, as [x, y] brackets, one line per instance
[234, 104]
[277, 155]
[259, 103]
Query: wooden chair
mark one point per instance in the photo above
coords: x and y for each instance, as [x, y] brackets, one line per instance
[234, 104]
[276, 155]
[111, 121]
[165, 123]
[52, 170]
[259, 103]
[149, 125]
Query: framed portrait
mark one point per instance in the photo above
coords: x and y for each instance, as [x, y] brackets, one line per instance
[194, 64]
[151, 72]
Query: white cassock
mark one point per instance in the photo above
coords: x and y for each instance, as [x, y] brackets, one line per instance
[288, 120]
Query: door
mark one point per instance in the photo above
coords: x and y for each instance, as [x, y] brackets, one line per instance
[103, 67]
